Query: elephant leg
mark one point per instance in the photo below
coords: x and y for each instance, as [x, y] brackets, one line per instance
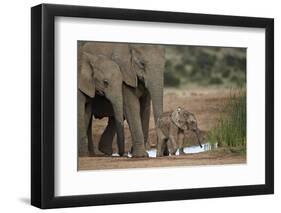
[88, 124]
[132, 114]
[145, 116]
[171, 145]
[105, 144]
[82, 127]
[180, 143]
[181, 152]
[161, 141]
[165, 150]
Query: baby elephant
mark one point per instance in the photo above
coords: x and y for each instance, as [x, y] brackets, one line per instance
[170, 130]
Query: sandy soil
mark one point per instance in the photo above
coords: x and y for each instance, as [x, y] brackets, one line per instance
[206, 103]
[203, 158]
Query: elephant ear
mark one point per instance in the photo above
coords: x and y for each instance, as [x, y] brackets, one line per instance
[86, 75]
[138, 63]
[177, 120]
[189, 117]
[128, 74]
[137, 59]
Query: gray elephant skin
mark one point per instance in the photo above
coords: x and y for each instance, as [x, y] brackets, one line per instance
[171, 127]
[100, 86]
[141, 68]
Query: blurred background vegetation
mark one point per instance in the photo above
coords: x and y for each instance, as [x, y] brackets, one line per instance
[204, 66]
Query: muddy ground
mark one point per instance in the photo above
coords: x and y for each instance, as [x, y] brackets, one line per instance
[206, 103]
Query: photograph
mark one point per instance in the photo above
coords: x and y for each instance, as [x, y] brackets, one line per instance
[136, 105]
[160, 105]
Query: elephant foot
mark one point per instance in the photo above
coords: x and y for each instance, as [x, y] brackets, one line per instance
[173, 153]
[106, 149]
[181, 152]
[139, 154]
[122, 154]
[126, 154]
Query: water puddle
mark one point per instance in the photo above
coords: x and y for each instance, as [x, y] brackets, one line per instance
[188, 150]
[197, 149]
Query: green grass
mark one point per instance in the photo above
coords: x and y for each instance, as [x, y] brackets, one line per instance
[230, 131]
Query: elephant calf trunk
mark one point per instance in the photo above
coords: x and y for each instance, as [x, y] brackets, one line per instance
[198, 137]
[120, 137]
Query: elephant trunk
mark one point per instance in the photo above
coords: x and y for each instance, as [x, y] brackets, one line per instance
[119, 124]
[198, 137]
[155, 87]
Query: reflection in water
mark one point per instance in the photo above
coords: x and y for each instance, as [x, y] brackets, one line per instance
[188, 150]
[197, 149]
[151, 153]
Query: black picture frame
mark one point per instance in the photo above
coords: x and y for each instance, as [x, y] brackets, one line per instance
[43, 105]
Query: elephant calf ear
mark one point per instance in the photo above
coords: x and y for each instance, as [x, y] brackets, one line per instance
[86, 77]
[176, 120]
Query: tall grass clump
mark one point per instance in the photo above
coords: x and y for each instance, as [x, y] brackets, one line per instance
[231, 128]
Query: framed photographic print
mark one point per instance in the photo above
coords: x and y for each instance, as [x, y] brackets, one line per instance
[139, 106]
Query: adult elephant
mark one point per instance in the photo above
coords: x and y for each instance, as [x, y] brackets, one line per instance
[142, 69]
[99, 95]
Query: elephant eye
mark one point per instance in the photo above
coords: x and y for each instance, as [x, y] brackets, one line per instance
[105, 83]
[142, 64]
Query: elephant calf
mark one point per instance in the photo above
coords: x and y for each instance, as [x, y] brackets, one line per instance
[170, 130]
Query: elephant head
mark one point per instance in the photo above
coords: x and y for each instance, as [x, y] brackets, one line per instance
[100, 75]
[148, 65]
[186, 121]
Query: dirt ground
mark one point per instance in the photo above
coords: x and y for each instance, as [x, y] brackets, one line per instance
[203, 158]
[206, 103]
